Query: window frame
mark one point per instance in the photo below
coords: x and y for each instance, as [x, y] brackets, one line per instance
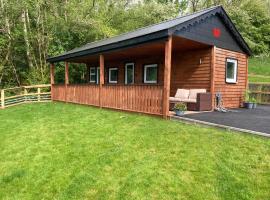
[109, 80]
[133, 71]
[90, 74]
[235, 70]
[144, 73]
[97, 75]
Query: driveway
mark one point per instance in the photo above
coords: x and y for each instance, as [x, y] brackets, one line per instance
[255, 120]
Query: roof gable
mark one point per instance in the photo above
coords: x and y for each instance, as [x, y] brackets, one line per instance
[211, 31]
[201, 29]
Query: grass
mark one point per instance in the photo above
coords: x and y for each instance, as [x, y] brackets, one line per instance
[64, 151]
[259, 69]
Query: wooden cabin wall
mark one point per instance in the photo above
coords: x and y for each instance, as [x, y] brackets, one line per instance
[232, 93]
[138, 70]
[191, 69]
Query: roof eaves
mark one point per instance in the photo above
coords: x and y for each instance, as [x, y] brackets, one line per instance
[113, 46]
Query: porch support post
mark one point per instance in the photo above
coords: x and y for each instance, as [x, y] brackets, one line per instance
[66, 80]
[101, 78]
[66, 74]
[52, 78]
[167, 76]
[212, 87]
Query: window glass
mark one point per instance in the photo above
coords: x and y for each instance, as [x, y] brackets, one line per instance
[113, 75]
[92, 74]
[129, 73]
[150, 73]
[231, 71]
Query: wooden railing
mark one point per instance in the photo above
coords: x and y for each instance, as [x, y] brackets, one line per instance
[137, 98]
[260, 91]
[25, 94]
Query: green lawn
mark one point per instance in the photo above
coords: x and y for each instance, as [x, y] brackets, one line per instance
[65, 151]
[259, 69]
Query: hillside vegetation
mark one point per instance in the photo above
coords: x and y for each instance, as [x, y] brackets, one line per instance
[259, 69]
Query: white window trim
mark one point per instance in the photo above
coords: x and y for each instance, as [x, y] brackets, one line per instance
[234, 79]
[129, 64]
[111, 69]
[144, 75]
[98, 75]
[90, 74]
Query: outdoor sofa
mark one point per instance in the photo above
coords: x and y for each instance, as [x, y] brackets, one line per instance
[196, 99]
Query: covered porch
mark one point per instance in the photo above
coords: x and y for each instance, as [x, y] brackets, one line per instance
[139, 78]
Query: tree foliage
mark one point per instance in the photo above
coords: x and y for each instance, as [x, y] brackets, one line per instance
[32, 30]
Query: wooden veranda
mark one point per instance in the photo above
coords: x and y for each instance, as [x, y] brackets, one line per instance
[144, 98]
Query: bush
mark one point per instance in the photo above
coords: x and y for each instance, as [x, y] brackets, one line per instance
[180, 106]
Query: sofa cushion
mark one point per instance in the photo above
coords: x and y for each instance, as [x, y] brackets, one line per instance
[190, 100]
[174, 99]
[193, 93]
[182, 93]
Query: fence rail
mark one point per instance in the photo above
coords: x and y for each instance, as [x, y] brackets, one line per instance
[260, 91]
[25, 94]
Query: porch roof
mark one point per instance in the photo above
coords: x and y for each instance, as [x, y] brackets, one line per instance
[151, 33]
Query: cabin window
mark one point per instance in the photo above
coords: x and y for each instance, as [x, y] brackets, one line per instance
[129, 73]
[150, 73]
[231, 70]
[113, 75]
[92, 74]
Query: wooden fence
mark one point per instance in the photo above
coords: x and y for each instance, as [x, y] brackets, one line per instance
[260, 91]
[137, 98]
[25, 94]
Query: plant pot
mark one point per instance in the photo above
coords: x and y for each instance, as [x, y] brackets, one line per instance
[248, 105]
[179, 112]
[254, 105]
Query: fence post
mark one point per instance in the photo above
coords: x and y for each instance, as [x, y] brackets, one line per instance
[260, 95]
[2, 99]
[38, 94]
[25, 94]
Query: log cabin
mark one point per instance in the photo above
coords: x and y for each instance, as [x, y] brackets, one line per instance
[138, 71]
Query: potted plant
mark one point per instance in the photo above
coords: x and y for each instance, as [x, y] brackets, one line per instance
[248, 104]
[180, 108]
[254, 102]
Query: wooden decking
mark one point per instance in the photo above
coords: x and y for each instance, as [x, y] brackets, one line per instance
[137, 98]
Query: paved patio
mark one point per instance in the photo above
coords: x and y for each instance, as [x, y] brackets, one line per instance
[257, 120]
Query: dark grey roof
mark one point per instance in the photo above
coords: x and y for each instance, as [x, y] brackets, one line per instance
[160, 30]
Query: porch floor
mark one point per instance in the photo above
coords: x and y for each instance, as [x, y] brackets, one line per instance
[257, 120]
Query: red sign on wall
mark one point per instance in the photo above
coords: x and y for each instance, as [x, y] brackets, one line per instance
[216, 32]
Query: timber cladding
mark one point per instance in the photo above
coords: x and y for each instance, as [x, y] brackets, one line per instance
[232, 93]
[191, 70]
[138, 68]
